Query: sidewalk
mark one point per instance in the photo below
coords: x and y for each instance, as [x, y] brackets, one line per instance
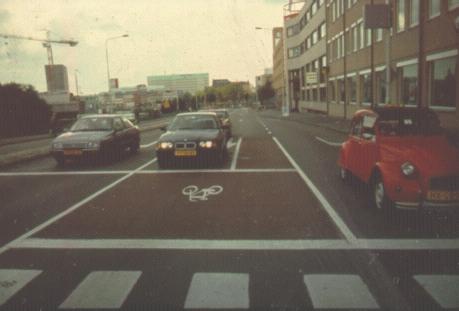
[21, 149]
[336, 124]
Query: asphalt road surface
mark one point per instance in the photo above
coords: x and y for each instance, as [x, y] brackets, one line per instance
[273, 229]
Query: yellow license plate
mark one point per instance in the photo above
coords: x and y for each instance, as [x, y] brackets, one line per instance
[185, 153]
[73, 152]
[443, 195]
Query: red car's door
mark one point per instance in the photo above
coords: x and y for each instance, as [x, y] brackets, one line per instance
[353, 147]
[367, 154]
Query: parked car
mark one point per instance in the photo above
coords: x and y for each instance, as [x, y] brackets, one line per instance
[224, 117]
[192, 136]
[404, 155]
[95, 136]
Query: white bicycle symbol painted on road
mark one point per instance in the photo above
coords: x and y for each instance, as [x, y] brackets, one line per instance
[201, 195]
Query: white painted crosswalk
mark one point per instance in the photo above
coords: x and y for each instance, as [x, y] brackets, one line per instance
[111, 289]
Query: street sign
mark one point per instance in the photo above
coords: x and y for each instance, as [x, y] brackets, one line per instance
[311, 77]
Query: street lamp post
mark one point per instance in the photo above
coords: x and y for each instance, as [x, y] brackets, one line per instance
[106, 59]
[456, 25]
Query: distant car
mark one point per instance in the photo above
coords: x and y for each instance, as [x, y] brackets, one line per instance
[224, 117]
[197, 137]
[128, 115]
[94, 136]
[404, 155]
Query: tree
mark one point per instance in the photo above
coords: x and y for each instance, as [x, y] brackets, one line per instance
[22, 112]
[266, 92]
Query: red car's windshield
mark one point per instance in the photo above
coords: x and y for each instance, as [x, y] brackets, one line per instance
[408, 122]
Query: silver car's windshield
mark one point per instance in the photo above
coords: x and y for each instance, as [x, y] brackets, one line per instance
[92, 124]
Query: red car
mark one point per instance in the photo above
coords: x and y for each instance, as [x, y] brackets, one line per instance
[404, 155]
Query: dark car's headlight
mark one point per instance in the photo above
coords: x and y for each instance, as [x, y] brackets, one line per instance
[165, 145]
[408, 169]
[93, 145]
[207, 144]
[58, 146]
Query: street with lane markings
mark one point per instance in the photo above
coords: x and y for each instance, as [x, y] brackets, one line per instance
[274, 228]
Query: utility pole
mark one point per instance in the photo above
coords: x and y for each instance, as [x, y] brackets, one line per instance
[421, 57]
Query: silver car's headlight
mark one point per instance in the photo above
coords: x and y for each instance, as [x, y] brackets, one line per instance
[165, 145]
[206, 144]
[93, 145]
[57, 146]
[408, 169]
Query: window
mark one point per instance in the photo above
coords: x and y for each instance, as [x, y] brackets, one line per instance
[315, 37]
[409, 87]
[362, 36]
[367, 91]
[323, 30]
[333, 11]
[355, 33]
[321, 2]
[401, 15]
[379, 35]
[414, 14]
[369, 35]
[443, 83]
[342, 45]
[453, 4]
[352, 86]
[434, 8]
[313, 8]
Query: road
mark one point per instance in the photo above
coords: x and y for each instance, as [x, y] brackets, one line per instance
[274, 228]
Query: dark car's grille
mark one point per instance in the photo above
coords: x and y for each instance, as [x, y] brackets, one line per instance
[185, 145]
[74, 145]
[448, 183]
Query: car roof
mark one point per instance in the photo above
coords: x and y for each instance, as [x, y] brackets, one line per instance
[388, 110]
[100, 116]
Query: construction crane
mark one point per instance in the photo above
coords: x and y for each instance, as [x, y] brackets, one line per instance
[45, 42]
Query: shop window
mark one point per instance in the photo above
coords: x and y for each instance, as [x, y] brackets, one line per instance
[342, 91]
[409, 87]
[434, 8]
[352, 86]
[367, 91]
[443, 83]
[381, 84]
[331, 91]
[322, 94]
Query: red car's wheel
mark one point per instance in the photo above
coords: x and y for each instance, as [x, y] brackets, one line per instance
[380, 200]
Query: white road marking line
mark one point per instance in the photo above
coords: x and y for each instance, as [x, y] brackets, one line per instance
[102, 289]
[195, 244]
[12, 280]
[328, 142]
[269, 132]
[218, 291]
[347, 233]
[339, 291]
[249, 170]
[230, 144]
[443, 288]
[236, 154]
[148, 145]
[74, 207]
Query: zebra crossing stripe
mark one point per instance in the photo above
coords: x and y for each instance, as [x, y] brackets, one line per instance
[11, 281]
[102, 289]
[444, 289]
[218, 291]
[339, 291]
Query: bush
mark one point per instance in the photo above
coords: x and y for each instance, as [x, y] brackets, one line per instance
[22, 112]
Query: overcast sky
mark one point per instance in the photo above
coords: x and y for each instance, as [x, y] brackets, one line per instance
[165, 36]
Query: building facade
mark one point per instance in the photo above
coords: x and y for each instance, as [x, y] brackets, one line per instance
[278, 64]
[56, 78]
[261, 80]
[306, 56]
[220, 82]
[191, 83]
[358, 57]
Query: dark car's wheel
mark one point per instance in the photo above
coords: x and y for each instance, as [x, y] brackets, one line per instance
[379, 197]
[134, 147]
[344, 174]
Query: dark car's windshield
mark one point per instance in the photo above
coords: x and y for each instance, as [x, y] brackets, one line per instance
[193, 122]
[92, 124]
[409, 122]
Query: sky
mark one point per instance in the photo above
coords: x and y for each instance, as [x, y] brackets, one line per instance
[165, 37]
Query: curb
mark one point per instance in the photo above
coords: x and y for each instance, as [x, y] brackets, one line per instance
[37, 153]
